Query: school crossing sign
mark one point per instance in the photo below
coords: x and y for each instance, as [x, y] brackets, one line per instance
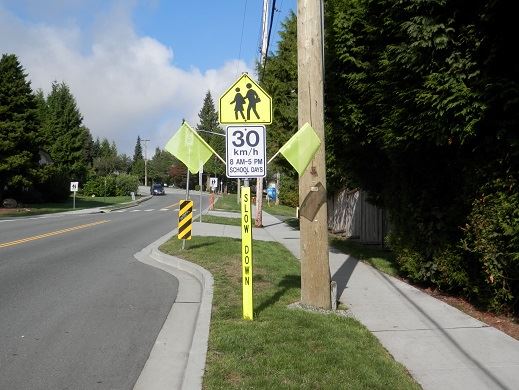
[245, 102]
[245, 151]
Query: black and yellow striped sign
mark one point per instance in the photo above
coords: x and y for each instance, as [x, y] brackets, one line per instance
[185, 219]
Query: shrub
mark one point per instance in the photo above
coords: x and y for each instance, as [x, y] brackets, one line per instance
[125, 184]
[452, 271]
[289, 192]
[53, 185]
[100, 186]
[410, 262]
[492, 238]
[484, 265]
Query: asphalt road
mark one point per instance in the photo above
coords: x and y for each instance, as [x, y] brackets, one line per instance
[77, 310]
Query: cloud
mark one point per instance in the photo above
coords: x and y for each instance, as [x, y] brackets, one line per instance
[125, 84]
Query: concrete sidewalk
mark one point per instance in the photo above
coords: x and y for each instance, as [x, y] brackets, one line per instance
[441, 347]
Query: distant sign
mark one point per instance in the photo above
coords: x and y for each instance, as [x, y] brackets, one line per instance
[245, 151]
[213, 181]
[74, 186]
[245, 102]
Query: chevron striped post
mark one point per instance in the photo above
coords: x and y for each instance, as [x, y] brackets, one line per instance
[185, 220]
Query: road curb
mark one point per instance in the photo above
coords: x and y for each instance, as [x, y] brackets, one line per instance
[125, 206]
[178, 357]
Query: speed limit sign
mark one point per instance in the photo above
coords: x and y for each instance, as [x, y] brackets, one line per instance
[245, 151]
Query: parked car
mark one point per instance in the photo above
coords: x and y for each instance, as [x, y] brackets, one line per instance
[157, 189]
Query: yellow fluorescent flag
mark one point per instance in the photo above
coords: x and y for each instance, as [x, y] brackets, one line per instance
[189, 147]
[301, 147]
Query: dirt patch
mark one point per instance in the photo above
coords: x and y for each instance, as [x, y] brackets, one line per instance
[505, 323]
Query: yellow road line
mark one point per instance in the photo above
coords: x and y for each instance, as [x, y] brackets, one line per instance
[172, 205]
[50, 234]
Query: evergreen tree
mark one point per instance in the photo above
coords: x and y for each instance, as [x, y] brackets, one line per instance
[105, 149]
[107, 161]
[137, 168]
[64, 136]
[137, 154]
[19, 126]
[208, 117]
[124, 163]
[159, 167]
[96, 148]
[279, 79]
[88, 148]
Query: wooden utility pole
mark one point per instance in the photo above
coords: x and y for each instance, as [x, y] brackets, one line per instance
[259, 181]
[315, 271]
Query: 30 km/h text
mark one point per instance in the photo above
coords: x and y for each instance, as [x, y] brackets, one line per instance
[245, 151]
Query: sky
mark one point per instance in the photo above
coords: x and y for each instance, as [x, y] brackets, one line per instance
[137, 67]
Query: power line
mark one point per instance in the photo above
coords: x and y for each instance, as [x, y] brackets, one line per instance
[277, 17]
[264, 64]
[241, 37]
[270, 25]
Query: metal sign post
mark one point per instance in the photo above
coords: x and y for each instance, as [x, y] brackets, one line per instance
[246, 254]
[200, 172]
[74, 185]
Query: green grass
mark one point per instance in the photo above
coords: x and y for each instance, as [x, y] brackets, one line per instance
[223, 220]
[279, 210]
[281, 348]
[81, 203]
[229, 203]
[292, 222]
[380, 258]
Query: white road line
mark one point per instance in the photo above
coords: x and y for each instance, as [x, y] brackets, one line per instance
[164, 209]
[150, 210]
[134, 211]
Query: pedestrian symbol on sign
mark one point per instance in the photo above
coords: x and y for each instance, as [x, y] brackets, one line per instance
[253, 98]
[238, 102]
[214, 182]
[245, 95]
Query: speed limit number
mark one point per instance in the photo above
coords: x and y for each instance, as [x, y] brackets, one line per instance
[245, 151]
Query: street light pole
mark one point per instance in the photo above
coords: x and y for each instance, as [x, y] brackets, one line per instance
[145, 161]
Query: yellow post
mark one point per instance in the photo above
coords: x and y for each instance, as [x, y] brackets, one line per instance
[246, 253]
[185, 219]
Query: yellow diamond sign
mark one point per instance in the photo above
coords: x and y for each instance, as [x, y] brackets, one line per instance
[245, 102]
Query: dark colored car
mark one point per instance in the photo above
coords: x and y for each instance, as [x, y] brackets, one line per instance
[157, 189]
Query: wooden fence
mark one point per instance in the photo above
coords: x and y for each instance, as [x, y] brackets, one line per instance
[350, 214]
